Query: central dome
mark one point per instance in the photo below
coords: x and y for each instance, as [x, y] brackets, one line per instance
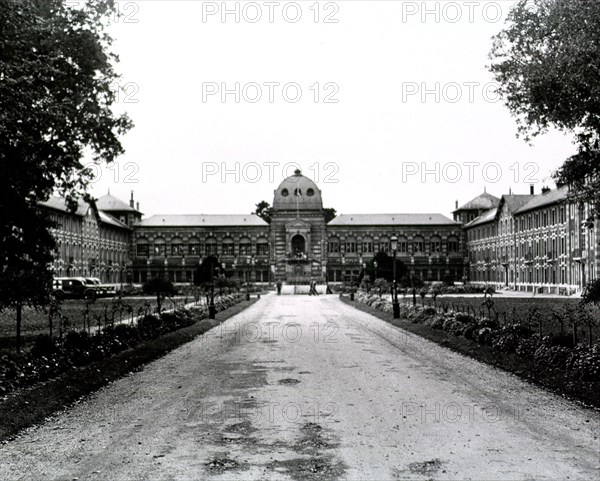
[297, 192]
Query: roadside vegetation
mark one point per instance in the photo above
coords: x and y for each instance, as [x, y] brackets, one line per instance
[56, 372]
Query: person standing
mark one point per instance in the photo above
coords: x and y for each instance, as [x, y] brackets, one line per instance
[278, 288]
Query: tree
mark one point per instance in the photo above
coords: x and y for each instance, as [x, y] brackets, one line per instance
[208, 271]
[264, 211]
[385, 267]
[546, 62]
[56, 96]
[330, 214]
[159, 287]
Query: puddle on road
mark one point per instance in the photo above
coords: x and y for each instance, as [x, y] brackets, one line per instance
[424, 468]
[288, 381]
[221, 463]
[316, 464]
[309, 469]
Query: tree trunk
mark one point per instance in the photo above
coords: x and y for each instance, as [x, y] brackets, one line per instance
[574, 334]
[19, 312]
[590, 333]
[158, 302]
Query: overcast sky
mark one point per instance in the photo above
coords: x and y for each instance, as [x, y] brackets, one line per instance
[362, 95]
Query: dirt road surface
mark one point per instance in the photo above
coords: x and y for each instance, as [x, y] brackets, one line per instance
[307, 388]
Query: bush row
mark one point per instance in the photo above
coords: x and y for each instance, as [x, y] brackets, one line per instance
[51, 357]
[581, 363]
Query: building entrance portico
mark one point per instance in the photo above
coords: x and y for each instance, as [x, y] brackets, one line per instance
[298, 246]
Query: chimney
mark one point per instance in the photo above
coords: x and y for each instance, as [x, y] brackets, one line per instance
[131, 203]
[531, 190]
[137, 206]
[510, 191]
[456, 205]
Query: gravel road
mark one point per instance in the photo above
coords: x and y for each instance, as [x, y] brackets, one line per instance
[308, 388]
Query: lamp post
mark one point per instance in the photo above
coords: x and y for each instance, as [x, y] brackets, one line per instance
[344, 269]
[211, 307]
[395, 305]
[375, 266]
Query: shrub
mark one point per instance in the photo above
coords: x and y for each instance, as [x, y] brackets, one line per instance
[470, 331]
[149, 326]
[584, 363]
[484, 335]
[551, 356]
[527, 346]
[43, 346]
[464, 317]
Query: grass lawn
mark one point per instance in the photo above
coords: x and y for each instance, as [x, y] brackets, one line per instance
[35, 321]
[523, 310]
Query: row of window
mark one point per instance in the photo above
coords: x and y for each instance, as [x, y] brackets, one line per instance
[197, 249]
[419, 245]
[545, 218]
[550, 248]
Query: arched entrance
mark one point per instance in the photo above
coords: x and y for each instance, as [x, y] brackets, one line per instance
[298, 245]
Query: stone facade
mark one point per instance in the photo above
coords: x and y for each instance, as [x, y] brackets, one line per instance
[533, 243]
[298, 245]
[526, 242]
[91, 243]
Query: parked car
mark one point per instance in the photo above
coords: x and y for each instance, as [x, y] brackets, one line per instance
[102, 290]
[81, 288]
[73, 288]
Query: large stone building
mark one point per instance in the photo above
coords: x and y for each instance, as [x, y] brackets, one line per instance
[91, 242]
[527, 242]
[533, 243]
[298, 244]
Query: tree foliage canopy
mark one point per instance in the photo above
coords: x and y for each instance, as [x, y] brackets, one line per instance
[208, 271]
[56, 96]
[547, 61]
[264, 211]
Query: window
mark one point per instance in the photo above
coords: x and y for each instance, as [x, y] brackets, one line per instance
[452, 245]
[310, 192]
[228, 247]
[245, 247]
[418, 245]
[142, 248]
[297, 192]
[402, 245]
[384, 244]
[285, 193]
[194, 247]
[159, 247]
[350, 245]
[436, 245]
[211, 246]
[367, 245]
[333, 245]
[262, 247]
[177, 247]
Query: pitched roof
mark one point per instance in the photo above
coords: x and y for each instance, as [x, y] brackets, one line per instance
[392, 219]
[541, 200]
[515, 202]
[109, 219]
[110, 203]
[59, 203]
[487, 216]
[194, 220]
[483, 201]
